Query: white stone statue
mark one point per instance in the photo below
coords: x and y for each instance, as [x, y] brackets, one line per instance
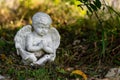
[37, 44]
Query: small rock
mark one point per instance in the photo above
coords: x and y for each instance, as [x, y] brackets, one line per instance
[113, 72]
[76, 42]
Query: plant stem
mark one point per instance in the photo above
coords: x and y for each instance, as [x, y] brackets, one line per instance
[103, 35]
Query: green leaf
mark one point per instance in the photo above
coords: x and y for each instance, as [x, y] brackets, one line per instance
[61, 70]
[2, 43]
[89, 8]
[93, 7]
[80, 6]
[81, 1]
[21, 78]
[103, 42]
[116, 62]
[85, 0]
[97, 3]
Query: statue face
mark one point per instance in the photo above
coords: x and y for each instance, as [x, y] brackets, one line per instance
[41, 29]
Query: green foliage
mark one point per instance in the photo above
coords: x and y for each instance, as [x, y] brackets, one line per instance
[61, 70]
[91, 5]
[2, 43]
[104, 26]
[37, 74]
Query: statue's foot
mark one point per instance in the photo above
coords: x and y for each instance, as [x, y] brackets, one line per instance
[42, 60]
[32, 58]
[36, 64]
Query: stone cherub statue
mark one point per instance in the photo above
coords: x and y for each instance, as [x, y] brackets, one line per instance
[37, 44]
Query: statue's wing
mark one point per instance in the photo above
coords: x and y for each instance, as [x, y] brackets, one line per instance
[20, 37]
[55, 37]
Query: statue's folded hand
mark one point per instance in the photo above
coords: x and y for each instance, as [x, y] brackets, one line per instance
[40, 44]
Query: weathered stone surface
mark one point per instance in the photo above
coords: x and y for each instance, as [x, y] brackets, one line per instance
[37, 46]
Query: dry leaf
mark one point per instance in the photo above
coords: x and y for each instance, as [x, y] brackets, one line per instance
[2, 57]
[79, 72]
[9, 61]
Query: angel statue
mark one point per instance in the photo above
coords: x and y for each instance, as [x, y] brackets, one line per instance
[37, 43]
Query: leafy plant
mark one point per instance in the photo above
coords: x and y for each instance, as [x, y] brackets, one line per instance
[92, 5]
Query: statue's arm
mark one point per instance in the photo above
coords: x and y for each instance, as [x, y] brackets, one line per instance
[48, 48]
[30, 46]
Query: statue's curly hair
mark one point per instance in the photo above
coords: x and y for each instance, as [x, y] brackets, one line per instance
[42, 18]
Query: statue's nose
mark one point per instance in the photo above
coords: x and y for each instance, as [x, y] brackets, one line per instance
[44, 30]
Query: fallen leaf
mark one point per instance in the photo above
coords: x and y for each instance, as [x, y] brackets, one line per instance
[9, 61]
[2, 57]
[79, 72]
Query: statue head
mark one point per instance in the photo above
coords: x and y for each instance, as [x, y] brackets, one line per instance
[41, 23]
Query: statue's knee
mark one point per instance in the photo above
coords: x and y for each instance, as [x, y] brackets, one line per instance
[32, 58]
[52, 57]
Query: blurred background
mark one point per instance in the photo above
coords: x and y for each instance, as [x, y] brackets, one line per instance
[90, 36]
[63, 12]
[19, 12]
